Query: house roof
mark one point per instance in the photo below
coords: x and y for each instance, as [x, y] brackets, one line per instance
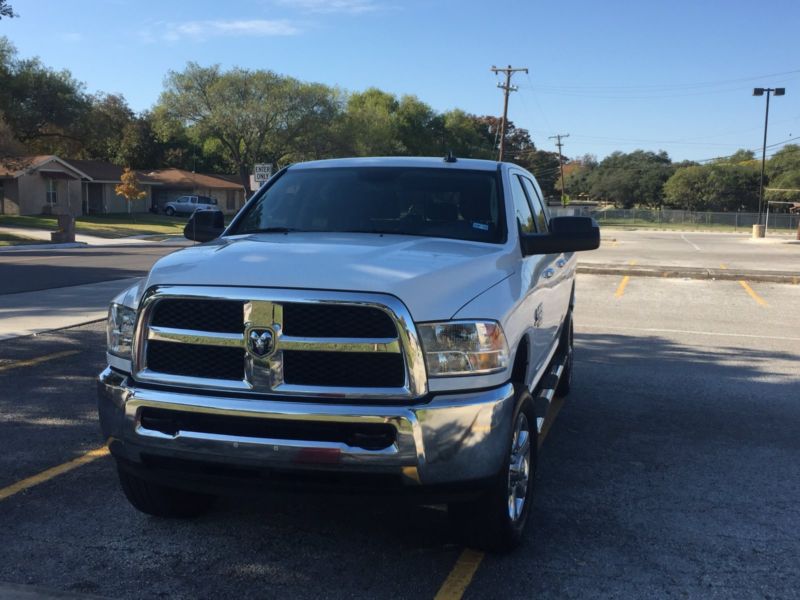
[99, 170]
[14, 166]
[187, 179]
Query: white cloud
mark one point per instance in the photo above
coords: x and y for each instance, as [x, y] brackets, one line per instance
[332, 6]
[204, 29]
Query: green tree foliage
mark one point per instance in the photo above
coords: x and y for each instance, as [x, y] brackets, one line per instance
[254, 115]
[631, 179]
[6, 11]
[714, 187]
[783, 170]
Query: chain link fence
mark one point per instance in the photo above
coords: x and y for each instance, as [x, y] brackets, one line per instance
[679, 219]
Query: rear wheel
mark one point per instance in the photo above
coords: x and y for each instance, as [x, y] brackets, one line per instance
[160, 500]
[496, 520]
[169, 211]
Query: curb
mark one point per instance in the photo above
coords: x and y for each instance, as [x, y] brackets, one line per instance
[44, 246]
[690, 273]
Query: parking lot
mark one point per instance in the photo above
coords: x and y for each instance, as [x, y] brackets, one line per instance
[670, 471]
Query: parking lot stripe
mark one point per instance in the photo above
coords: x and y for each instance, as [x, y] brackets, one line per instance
[32, 362]
[622, 285]
[752, 293]
[460, 577]
[52, 472]
[723, 266]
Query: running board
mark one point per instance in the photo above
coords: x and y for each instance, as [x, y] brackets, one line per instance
[547, 389]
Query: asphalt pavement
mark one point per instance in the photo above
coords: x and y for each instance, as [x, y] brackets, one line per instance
[693, 255]
[671, 471]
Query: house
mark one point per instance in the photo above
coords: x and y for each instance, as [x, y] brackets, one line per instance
[48, 184]
[176, 182]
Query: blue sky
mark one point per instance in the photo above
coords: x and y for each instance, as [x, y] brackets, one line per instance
[614, 74]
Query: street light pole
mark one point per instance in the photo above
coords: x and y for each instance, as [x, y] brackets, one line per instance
[761, 92]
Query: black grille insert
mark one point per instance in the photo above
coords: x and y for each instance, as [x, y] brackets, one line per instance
[370, 436]
[343, 369]
[220, 316]
[336, 320]
[209, 362]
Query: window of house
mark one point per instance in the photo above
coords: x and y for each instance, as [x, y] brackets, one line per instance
[51, 191]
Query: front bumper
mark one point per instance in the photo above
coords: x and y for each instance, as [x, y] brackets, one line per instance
[448, 439]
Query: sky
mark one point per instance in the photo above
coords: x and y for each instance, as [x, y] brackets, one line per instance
[613, 74]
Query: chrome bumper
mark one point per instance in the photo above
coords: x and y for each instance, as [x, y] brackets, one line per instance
[451, 438]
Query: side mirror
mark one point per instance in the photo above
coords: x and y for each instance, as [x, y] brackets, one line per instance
[204, 225]
[567, 234]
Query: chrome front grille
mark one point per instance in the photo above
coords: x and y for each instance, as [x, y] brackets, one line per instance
[282, 342]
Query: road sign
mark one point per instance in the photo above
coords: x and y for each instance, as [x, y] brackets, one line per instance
[263, 172]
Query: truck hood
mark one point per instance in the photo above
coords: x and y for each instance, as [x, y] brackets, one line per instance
[433, 277]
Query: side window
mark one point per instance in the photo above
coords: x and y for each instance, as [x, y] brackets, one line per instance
[193, 200]
[538, 207]
[521, 206]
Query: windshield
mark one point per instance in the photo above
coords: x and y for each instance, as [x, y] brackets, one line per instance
[447, 203]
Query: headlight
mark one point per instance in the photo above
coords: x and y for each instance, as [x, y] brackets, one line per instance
[463, 348]
[119, 330]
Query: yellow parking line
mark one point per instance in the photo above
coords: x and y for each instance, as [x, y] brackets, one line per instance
[460, 577]
[631, 262]
[723, 266]
[52, 472]
[622, 285]
[32, 362]
[752, 293]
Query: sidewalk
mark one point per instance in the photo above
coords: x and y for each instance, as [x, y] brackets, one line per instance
[29, 313]
[87, 240]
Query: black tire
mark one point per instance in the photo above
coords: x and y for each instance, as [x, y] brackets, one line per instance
[169, 211]
[162, 501]
[486, 523]
[567, 337]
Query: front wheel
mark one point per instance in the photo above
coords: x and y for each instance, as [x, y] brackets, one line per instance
[169, 211]
[160, 500]
[496, 520]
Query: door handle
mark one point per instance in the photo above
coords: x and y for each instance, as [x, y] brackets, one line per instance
[560, 262]
[548, 273]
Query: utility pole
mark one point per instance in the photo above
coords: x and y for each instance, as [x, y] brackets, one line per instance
[767, 92]
[558, 137]
[507, 88]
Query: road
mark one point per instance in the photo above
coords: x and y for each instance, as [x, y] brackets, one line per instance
[671, 470]
[33, 270]
[704, 250]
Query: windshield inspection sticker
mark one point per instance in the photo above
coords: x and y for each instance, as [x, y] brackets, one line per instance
[481, 226]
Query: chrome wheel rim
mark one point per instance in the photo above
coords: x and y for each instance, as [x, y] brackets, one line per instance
[519, 468]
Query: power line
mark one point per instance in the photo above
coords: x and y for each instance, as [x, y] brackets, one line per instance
[507, 88]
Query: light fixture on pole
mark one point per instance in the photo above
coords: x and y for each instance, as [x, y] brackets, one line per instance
[761, 92]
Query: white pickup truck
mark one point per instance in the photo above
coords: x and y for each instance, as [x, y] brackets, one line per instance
[392, 324]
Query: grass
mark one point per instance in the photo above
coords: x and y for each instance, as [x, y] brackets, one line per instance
[108, 226]
[7, 239]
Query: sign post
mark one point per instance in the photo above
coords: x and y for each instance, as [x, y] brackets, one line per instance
[263, 172]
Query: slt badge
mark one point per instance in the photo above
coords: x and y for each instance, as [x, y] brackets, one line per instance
[261, 342]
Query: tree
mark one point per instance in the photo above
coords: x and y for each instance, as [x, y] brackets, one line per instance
[44, 108]
[715, 187]
[783, 170]
[254, 115]
[129, 188]
[6, 10]
[631, 179]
